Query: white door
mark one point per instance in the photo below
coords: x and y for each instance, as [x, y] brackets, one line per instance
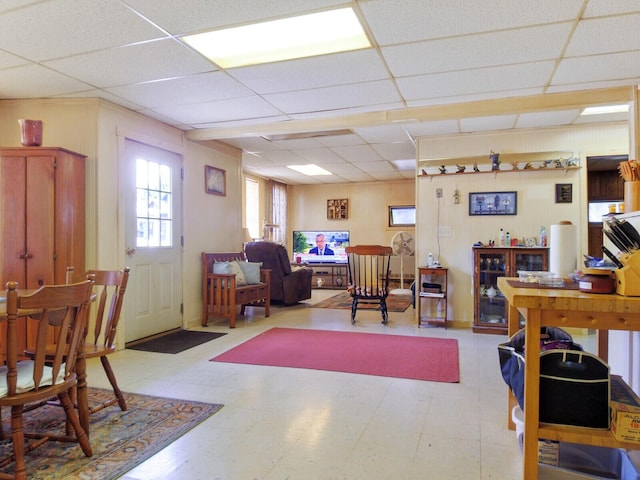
[152, 206]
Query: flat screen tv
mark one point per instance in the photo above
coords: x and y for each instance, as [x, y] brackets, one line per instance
[304, 243]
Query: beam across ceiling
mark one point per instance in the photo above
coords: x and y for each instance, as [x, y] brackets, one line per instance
[481, 108]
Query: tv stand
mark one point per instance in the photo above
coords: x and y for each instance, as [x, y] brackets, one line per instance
[328, 275]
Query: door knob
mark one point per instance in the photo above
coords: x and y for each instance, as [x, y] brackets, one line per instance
[130, 251]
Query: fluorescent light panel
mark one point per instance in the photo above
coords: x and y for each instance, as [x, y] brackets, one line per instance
[285, 39]
[309, 170]
[605, 109]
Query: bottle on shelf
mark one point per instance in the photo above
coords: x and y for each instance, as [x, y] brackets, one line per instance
[502, 238]
[507, 240]
[430, 260]
[543, 236]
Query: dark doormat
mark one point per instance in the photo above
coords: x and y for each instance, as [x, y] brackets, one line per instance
[174, 342]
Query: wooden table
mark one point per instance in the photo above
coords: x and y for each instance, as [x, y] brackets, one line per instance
[562, 308]
[81, 367]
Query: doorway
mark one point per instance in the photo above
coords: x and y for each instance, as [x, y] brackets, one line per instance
[153, 228]
[605, 187]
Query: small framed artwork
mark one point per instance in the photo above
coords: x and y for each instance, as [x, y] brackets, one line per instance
[564, 192]
[493, 203]
[215, 181]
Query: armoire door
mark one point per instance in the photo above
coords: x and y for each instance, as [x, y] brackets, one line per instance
[27, 239]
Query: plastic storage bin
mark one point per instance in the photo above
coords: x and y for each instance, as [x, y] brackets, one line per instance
[583, 462]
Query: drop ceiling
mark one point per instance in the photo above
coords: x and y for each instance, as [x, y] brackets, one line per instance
[436, 68]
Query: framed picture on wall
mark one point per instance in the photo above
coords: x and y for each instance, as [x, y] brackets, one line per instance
[564, 192]
[215, 181]
[493, 203]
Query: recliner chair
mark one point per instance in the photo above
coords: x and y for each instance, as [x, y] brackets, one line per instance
[288, 286]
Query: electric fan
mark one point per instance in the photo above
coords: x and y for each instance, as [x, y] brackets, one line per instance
[402, 244]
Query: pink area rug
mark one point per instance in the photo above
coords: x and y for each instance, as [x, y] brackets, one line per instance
[401, 356]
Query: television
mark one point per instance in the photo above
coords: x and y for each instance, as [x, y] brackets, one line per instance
[305, 240]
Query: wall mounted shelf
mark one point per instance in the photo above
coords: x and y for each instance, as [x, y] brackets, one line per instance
[511, 162]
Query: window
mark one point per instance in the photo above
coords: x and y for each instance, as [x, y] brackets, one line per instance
[252, 207]
[402, 216]
[153, 208]
[279, 212]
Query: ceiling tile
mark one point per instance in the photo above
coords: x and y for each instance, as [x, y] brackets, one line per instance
[134, 63]
[319, 156]
[395, 151]
[383, 133]
[541, 119]
[21, 82]
[62, 27]
[340, 140]
[363, 153]
[441, 127]
[482, 50]
[314, 72]
[589, 69]
[479, 80]
[478, 124]
[235, 108]
[335, 98]
[605, 35]
[197, 88]
[428, 19]
[607, 7]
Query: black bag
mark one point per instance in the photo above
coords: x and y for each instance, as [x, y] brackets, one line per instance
[511, 355]
[574, 389]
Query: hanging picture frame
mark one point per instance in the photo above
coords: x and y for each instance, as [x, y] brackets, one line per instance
[564, 192]
[493, 203]
[215, 181]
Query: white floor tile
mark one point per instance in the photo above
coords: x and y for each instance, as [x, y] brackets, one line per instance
[289, 424]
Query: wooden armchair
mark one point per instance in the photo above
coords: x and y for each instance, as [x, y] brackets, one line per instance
[222, 293]
[63, 307]
[369, 276]
[109, 287]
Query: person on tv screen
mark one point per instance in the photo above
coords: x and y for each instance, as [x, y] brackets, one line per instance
[320, 249]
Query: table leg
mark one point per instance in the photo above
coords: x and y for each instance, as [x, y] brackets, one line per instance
[513, 325]
[531, 394]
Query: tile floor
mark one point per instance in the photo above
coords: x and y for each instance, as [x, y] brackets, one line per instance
[290, 424]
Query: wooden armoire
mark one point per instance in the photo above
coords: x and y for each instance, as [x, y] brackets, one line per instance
[42, 215]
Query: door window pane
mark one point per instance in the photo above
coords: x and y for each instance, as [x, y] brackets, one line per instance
[153, 185]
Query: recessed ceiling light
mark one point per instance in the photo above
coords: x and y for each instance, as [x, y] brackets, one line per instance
[285, 39]
[310, 169]
[605, 109]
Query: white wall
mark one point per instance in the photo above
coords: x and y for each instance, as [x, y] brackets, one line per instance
[536, 196]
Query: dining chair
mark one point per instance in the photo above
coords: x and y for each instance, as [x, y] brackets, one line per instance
[47, 374]
[109, 288]
[369, 277]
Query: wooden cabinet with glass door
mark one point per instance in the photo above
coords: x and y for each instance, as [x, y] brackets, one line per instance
[490, 310]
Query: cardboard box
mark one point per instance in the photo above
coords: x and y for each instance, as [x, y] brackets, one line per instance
[625, 411]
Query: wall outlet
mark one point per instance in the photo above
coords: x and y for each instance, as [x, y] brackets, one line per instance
[444, 231]
[438, 193]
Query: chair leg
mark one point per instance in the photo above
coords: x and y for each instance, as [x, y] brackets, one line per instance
[383, 310]
[72, 418]
[114, 384]
[17, 429]
[354, 308]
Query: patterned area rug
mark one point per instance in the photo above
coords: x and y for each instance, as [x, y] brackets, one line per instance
[395, 303]
[120, 440]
